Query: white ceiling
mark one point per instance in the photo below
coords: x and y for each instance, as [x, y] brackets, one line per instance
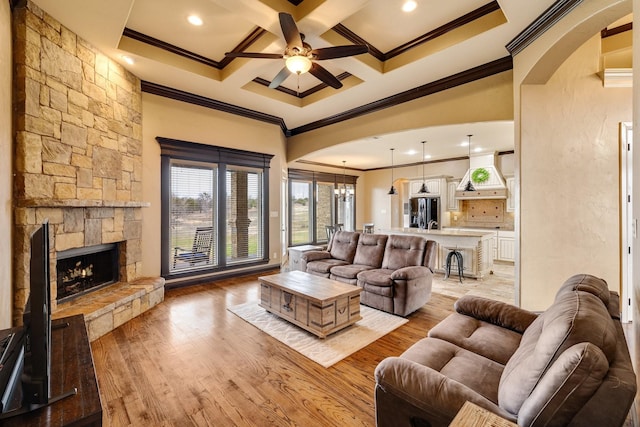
[381, 23]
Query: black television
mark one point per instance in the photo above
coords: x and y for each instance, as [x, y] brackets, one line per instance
[36, 387]
[30, 372]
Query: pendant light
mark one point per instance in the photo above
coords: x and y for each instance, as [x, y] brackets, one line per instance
[392, 190]
[343, 193]
[423, 188]
[469, 186]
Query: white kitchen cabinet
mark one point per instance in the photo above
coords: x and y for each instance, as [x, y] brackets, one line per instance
[433, 185]
[511, 200]
[506, 246]
[453, 204]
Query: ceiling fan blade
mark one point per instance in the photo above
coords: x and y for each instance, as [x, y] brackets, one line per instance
[290, 30]
[340, 51]
[279, 78]
[321, 73]
[253, 55]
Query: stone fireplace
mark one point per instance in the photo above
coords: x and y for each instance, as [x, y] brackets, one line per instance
[78, 164]
[84, 270]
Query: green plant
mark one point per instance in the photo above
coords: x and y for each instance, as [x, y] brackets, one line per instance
[480, 175]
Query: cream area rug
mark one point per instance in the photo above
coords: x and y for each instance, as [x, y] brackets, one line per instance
[328, 351]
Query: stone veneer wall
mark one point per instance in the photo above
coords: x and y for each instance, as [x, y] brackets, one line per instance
[78, 146]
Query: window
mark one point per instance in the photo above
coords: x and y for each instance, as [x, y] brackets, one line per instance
[244, 216]
[313, 205]
[214, 208]
[191, 208]
[301, 213]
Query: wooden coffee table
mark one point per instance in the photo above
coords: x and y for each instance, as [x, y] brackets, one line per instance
[319, 305]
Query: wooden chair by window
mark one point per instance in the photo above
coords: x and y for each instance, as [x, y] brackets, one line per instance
[200, 250]
[330, 230]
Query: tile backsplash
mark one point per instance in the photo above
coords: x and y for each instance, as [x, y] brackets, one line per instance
[487, 213]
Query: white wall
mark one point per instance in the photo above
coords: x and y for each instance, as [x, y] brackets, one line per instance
[6, 154]
[567, 157]
[173, 119]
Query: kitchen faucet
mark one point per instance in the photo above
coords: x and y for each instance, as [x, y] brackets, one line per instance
[431, 224]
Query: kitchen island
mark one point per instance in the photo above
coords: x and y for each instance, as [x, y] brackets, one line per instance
[475, 246]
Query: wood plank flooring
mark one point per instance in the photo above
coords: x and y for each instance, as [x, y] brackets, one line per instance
[191, 362]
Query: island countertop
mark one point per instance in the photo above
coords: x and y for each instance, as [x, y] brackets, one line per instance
[444, 232]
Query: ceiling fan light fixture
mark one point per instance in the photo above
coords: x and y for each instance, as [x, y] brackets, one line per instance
[298, 64]
[409, 6]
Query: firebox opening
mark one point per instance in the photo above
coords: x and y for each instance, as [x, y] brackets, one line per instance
[83, 270]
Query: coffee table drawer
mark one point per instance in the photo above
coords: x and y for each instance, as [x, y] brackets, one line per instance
[322, 318]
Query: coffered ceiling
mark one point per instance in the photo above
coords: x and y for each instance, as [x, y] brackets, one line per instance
[406, 51]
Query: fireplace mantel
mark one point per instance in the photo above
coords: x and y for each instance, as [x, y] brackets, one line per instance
[73, 203]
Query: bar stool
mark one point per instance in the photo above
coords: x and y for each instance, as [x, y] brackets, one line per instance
[459, 261]
[368, 228]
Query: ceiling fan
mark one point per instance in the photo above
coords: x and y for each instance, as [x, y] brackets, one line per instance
[300, 57]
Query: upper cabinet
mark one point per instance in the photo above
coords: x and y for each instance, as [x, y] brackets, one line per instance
[433, 186]
[511, 200]
[453, 204]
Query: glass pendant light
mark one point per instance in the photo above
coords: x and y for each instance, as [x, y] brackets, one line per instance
[392, 190]
[469, 186]
[343, 193]
[423, 188]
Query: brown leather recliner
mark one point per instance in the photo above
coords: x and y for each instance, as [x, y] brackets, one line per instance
[394, 271]
[403, 283]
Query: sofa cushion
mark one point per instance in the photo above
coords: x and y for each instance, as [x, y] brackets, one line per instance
[489, 340]
[324, 266]
[343, 245]
[566, 387]
[573, 318]
[403, 251]
[586, 283]
[480, 374]
[370, 250]
[375, 277]
[349, 271]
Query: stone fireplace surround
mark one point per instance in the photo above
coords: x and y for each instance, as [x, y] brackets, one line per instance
[77, 164]
[76, 224]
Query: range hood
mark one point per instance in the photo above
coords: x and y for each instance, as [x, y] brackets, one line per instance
[493, 188]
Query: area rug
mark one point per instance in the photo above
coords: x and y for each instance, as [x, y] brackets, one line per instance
[328, 351]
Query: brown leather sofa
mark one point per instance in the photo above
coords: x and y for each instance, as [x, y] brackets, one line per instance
[568, 366]
[395, 272]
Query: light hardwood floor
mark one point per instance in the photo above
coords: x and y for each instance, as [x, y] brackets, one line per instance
[189, 361]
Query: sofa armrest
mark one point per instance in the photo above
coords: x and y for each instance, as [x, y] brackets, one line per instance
[436, 396]
[410, 273]
[315, 255]
[495, 312]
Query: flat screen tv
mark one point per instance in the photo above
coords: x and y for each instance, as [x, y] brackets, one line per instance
[36, 388]
[33, 389]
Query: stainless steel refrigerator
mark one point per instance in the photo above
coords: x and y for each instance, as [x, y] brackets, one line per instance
[423, 211]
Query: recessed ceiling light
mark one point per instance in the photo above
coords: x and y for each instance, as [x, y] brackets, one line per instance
[195, 20]
[477, 149]
[409, 6]
[464, 143]
[411, 152]
[427, 156]
[129, 60]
